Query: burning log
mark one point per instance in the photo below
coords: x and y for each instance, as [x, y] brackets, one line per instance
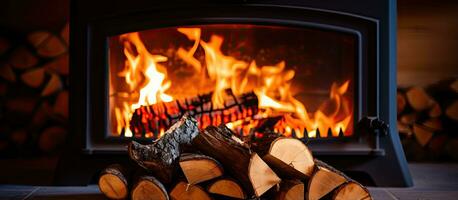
[148, 187]
[291, 190]
[153, 118]
[228, 188]
[255, 176]
[184, 191]
[289, 157]
[113, 182]
[162, 156]
[199, 168]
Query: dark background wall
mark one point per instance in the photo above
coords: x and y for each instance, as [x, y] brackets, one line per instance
[427, 41]
[30, 15]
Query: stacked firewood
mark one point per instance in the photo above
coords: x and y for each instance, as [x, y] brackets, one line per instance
[188, 163]
[33, 95]
[428, 120]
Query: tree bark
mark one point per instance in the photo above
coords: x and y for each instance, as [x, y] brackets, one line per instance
[162, 156]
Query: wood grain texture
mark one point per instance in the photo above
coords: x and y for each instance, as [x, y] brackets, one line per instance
[245, 166]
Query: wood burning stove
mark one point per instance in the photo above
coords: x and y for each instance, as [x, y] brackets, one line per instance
[323, 72]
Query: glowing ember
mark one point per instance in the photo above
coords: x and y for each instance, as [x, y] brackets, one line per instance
[148, 85]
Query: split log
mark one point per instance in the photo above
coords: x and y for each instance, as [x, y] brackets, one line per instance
[65, 33]
[423, 134]
[291, 190]
[324, 180]
[60, 107]
[54, 84]
[47, 44]
[113, 182]
[351, 190]
[41, 115]
[38, 37]
[162, 156]
[59, 65]
[445, 92]
[255, 176]
[452, 111]
[227, 187]
[288, 157]
[435, 110]
[401, 102]
[199, 168]
[7, 73]
[184, 191]
[419, 99]
[409, 119]
[33, 78]
[435, 124]
[149, 188]
[22, 58]
[405, 129]
[454, 86]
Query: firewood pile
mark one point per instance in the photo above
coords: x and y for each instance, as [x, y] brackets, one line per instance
[213, 163]
[428, 120]
[33, 92]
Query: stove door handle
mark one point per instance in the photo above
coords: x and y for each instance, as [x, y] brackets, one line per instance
[371, 124]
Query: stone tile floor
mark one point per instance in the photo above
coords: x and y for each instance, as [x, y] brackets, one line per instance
[432, 181]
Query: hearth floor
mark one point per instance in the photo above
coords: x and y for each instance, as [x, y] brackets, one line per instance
[432, 181]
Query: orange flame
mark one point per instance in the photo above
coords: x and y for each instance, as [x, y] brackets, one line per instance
[143, 70]
[145, 77]
[147, 80]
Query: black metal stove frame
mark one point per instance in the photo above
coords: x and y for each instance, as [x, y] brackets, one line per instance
[372, 23]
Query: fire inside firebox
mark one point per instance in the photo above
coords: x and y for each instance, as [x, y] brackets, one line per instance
[252, 78]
